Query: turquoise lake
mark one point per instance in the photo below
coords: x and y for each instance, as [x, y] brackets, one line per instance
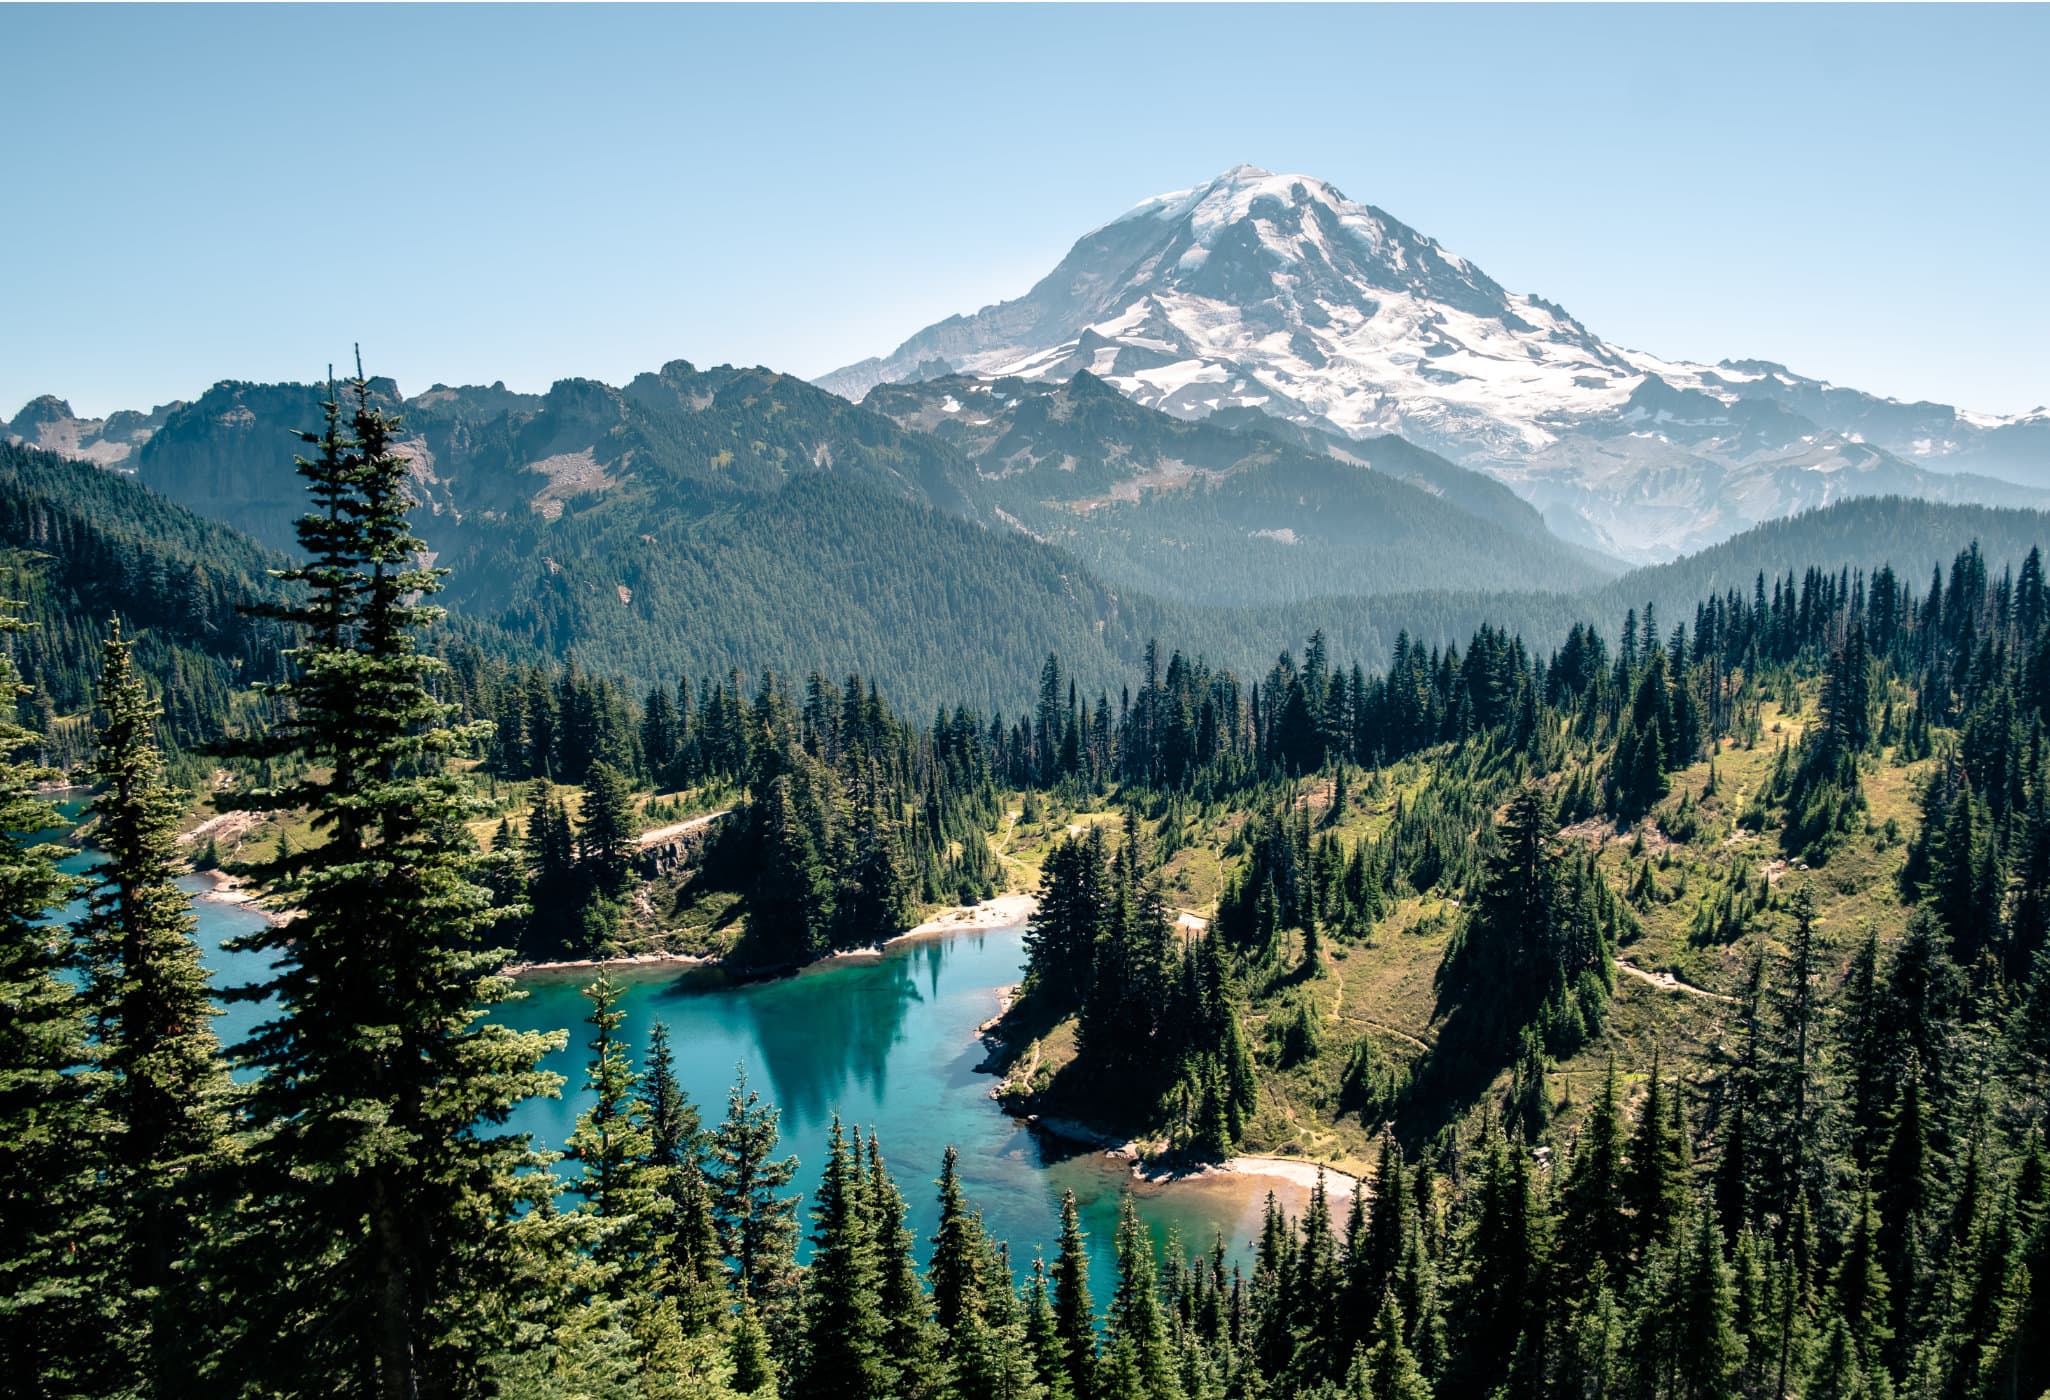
[887, 1041]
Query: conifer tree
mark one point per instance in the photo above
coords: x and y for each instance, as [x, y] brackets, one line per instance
[165, 1094]
[1592, 1355]
[913, 1337]
[677, 1145]
[1073, 1307]
[846, 1332]
[1708, 1348]
[754, 1365]
[383, 1188]
[1593, 1230]
[1859, 1290]
[957, 1253]
[613, 1148]
[994, 1356]
[607, 835]
[757, 1227]
[791, 912]
[47, 1209]
[1503, 1258]
[1043, 1336]
[1375, 1252]
[1140, 1347]
[1903, 1194]
[1794, 1285]
[1654, 1180]
[1789, 1138]
[1391, 1367]
[1839, 1373]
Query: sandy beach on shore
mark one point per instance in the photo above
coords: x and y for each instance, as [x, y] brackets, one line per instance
[1001, 912]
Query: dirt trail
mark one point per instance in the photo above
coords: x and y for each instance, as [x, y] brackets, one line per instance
[228, 827]
[1338, 1013]
[676, 829]
[1667, 982]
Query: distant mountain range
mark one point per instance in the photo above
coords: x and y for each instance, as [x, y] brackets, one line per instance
[692, 521]
[1242, 411]
[1276, 293]
[1232, 510]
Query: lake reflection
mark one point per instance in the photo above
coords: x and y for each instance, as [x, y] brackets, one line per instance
[888, 1042]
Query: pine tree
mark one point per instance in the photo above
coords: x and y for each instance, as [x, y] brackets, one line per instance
[613, 1148]
[957, 1254]
[1503, 1257]
[1903, 1193]
[1654, 1178]
[846, 1331]
[1043, 1335]
[47, 1202]
[1073, 1307]
[993, 1354]
[874, 902]
[1391, 1367]
[1138, 1330]
[1709, 1350]
[1592, 1362]
[383, 1193]
[1594, 1231]
[913, 1339]
[1789, 1138]
[754, 1366]
[677, 1145]
[1838, 1373]
[166, 1095]
[791, 912]
[757, 1227]
[1374, 1251]
[1859, 1289]
[1794, 1286]
[607, 834]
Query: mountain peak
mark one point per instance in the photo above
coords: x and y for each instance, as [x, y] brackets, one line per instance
[1275, 291]
[1243, 192]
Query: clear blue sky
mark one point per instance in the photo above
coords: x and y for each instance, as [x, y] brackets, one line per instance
[526, 193]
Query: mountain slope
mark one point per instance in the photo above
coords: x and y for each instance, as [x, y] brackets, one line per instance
[80, 546]
[487, 454]
[1279, 294]
[692, 521]
[1912, 537]
[1194, 512]
[47, 423]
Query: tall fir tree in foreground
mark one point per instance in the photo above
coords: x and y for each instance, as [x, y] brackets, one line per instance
[49, 1215]
[757, 1226]
[166, 1094]
[613, 1147]
[695, 1270]
[1074, 1309]
[625, 1174]
[382, 1188]
[846, 1349]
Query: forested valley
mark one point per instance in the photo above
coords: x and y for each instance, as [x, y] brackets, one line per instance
[1679, 993]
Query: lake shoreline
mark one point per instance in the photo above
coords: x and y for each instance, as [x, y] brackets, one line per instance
[1298, 1172]
[1001, 911]
[224, 888]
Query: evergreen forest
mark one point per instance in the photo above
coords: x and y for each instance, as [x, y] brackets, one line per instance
[1664, 997]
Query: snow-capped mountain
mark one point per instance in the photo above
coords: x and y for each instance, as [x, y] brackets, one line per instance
[1276, 292]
